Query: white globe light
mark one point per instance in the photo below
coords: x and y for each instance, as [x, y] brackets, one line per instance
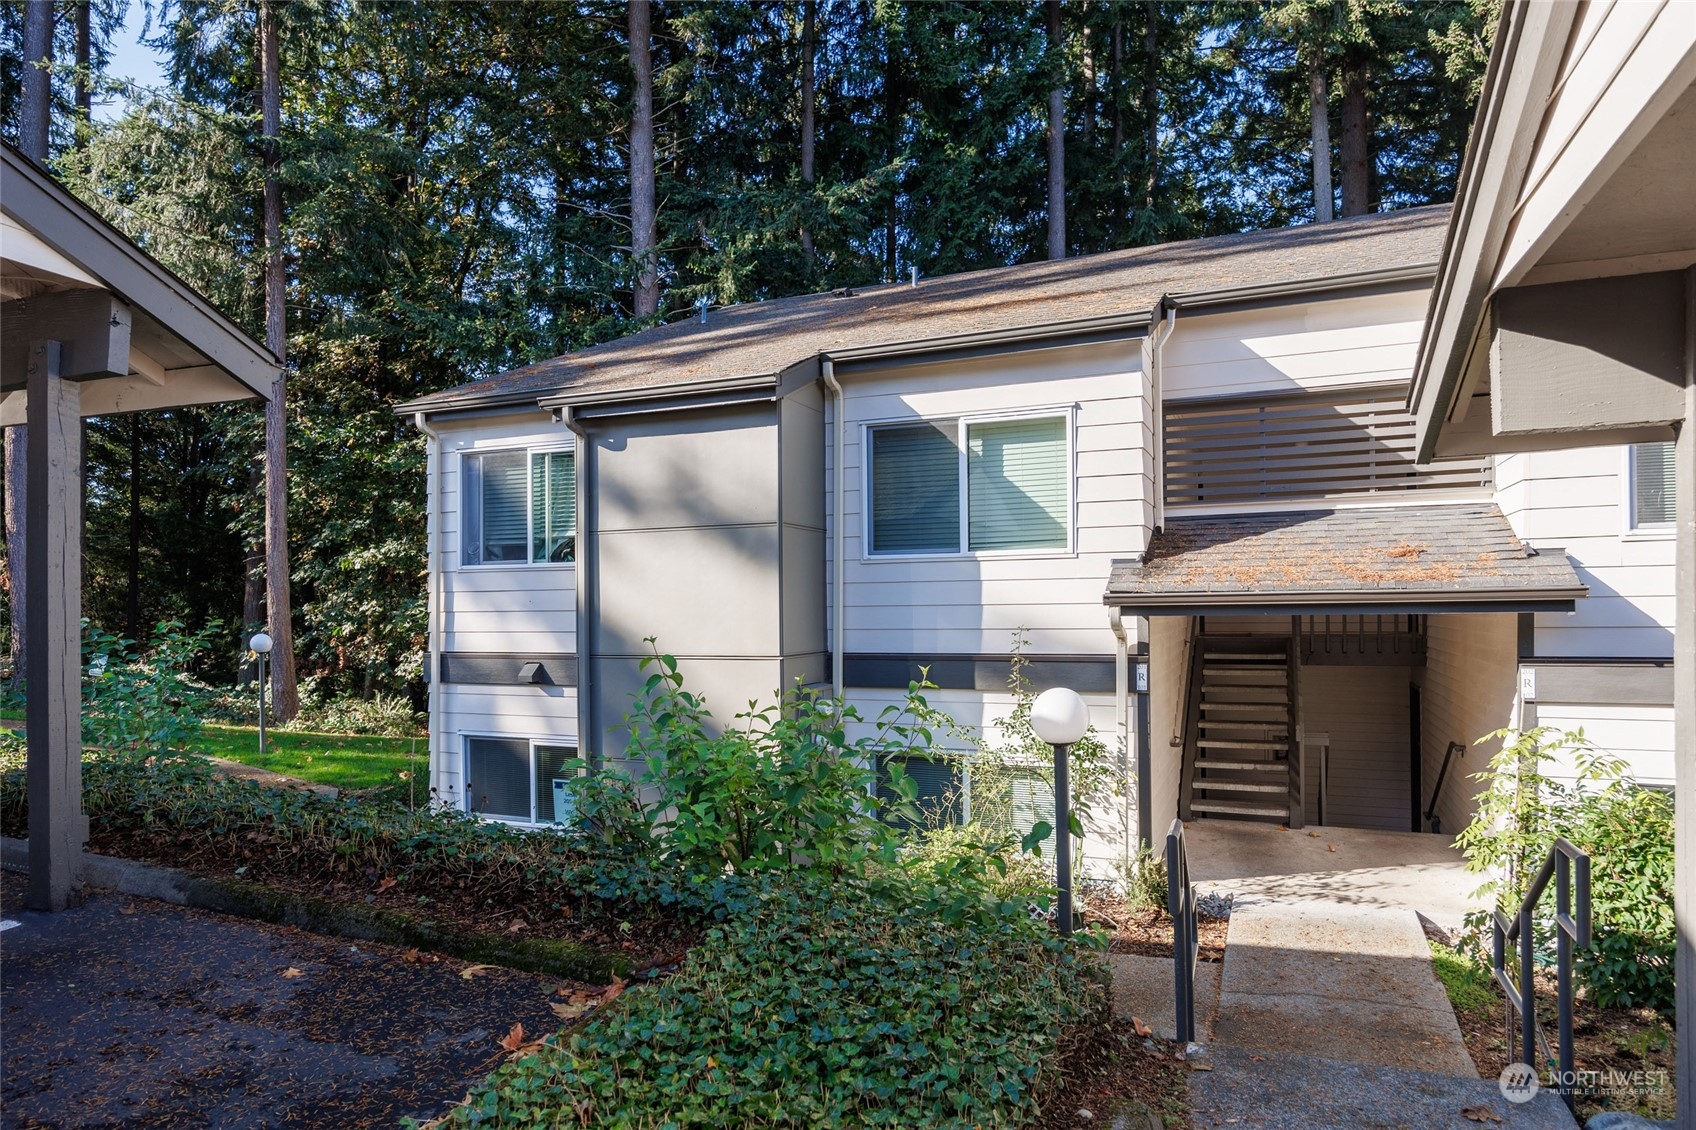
[260, 643]
[1059, 716]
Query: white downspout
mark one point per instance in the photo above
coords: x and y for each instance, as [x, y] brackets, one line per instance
[1157, 336]
[838, 597]
[587, 736]
[433, 611]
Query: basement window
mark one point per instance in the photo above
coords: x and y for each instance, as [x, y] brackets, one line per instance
[521, 781]
[970, 486]
[1652, 472]
[519, 508]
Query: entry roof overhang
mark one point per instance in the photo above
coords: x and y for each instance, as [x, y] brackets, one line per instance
[134, 335]
[1460, 557]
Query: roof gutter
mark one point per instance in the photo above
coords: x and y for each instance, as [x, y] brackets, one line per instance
[1375, 599]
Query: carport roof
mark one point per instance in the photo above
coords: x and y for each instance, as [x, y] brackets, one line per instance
[1410, 558]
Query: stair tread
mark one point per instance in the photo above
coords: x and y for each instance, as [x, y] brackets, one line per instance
[1212, 784]
[1239, 743]
[1256, 766]
[1277, 656]
[1242, 706]
[1239, 808]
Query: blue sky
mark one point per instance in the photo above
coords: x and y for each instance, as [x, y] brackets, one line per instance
[131, 59]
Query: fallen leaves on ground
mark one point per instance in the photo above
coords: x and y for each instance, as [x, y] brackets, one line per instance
[1330, 847]
[388, 881]
[580, 1000]
[515, 1043]
[471, 971]
[417, 957]
[1139, 1027]
[291, 973]
[1479, 1114]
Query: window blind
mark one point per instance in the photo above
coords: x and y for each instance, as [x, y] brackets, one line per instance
[505, 479]
[553, 506]
[1016, 484]
[550, 767]
[915, 489]
[936, 792]
[497, 777]
[1033, 803]
[1652, 467]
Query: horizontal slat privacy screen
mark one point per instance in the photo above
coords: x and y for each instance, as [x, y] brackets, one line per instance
[1016, 473]
[915, 489]
[1652, 484]
[1302, 446]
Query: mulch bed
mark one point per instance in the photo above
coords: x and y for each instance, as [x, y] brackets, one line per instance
[651, 939]
[1107, 1069]
[1620, 1040]
[1146, 931]
[130, 1012]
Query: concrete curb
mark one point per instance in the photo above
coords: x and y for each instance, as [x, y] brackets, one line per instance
[322, 916]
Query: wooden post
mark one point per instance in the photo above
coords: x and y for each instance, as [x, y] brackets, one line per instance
[53, 565]
[1684, 719]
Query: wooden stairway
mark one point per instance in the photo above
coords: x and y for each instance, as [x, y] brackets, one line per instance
[1239, 756]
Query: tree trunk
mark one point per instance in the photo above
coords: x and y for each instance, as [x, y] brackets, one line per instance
[1319, 112]
[85, 84]
[279, 603]
[1090, 101]
[35, 109]
[1150, 103]
[1356, 145]
[1056, 139]
[1117, 93]
[892, 126]
[809, 22]
[646, 299]
[132, 603]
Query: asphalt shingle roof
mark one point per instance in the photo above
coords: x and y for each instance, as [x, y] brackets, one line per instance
[1463, 551]
[761, 339]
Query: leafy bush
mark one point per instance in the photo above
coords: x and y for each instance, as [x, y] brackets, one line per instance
[1629, 835]
[785, 787]
[1002, 765]
[383, 715]
[1146, 887]
[915, 999]
[1543, 784]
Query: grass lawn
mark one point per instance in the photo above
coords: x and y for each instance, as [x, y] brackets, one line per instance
[343, 760]
[347, 761]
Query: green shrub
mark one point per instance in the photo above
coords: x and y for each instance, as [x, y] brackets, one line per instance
[913, 1000]
[784, 787]
[1543, 784]
[383, 715]
[1146, 886]
[1629, 835]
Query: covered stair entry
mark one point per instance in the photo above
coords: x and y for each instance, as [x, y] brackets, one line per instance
[1313, 666]
[1242, 717]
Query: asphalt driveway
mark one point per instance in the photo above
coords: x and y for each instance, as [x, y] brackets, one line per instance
[126, 1012]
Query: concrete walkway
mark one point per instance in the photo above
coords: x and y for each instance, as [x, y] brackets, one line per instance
[1329, 1015]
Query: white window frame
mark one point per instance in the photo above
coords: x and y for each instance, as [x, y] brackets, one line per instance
[529, 450]
[963, 420]
[465, 740]
[1635, 531]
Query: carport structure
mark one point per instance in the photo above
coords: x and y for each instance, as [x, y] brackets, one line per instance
[90, 325]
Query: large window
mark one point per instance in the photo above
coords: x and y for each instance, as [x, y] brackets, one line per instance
[953, 486]
[520, 780]
[1651, 486]
[519, 507]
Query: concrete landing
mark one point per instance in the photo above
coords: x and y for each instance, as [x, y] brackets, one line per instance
[1338, 980]
[1302, 1092]
[1142, 987]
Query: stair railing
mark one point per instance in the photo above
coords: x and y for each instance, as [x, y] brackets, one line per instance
[1570, 869]
[1181, 709]
[1186, 945]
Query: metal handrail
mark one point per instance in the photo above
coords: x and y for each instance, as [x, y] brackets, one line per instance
[1180, 710]
[1186, 945]
[1570, 868]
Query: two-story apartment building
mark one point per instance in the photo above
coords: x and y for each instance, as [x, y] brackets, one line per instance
[1184, 473]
